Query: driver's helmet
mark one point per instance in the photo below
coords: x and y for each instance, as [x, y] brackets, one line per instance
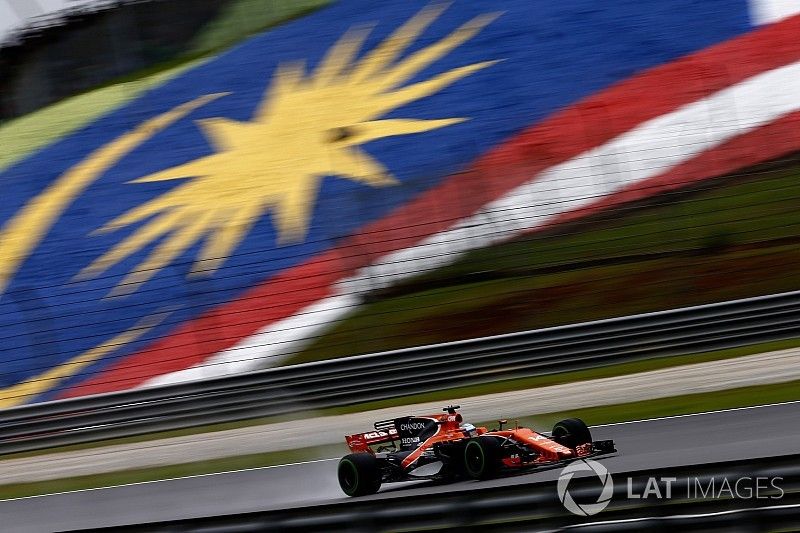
[468, 429]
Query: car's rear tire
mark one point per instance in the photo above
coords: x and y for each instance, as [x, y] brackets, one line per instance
[359, 474]
[482, 458]
[572, 432]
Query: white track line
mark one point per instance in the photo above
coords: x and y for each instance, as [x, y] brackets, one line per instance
[697, 414]
[336, 458]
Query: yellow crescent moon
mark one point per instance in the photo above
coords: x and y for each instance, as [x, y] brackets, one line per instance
[23, 232]
[25, 391]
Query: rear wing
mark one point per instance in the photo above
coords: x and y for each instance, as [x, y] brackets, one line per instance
[385, 431]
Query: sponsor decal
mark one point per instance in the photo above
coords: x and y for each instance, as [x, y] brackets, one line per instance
[412, 426]
[375, 435]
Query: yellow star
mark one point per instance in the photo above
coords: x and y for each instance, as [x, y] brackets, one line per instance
[307, 127]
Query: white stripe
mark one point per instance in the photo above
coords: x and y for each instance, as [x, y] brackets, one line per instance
[650, 149]
[269, 346]
[769, 11]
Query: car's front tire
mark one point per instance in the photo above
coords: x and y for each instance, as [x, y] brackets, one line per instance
[572, 432]
[482, 458]
[359, 474]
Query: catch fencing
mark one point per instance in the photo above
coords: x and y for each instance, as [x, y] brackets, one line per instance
[381, 376]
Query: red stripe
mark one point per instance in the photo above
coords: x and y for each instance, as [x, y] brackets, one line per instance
[564, 135]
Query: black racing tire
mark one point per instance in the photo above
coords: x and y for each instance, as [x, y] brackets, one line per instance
[359, 474]
[572, 433]
[482, 458]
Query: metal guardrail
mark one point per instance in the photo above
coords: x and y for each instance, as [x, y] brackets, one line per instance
[337, 382]
[536, 507]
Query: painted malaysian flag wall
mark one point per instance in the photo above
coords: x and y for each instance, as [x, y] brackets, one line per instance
[228, 216]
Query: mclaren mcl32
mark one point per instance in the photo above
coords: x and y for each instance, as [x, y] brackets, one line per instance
[443, 447]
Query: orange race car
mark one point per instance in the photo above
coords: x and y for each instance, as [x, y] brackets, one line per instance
[444, 448]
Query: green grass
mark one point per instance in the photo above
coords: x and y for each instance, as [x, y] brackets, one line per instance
[446, 395]
[675, 405]
[732, 240]
[692, 403]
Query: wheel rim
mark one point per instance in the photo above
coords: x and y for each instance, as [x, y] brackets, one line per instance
[474, 458]
[562, 435]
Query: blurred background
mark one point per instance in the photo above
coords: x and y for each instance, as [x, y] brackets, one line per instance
[496, 197]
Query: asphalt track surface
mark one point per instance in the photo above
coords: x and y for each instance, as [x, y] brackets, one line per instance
[674, 441]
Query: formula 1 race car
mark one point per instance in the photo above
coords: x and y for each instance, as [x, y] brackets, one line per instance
[444, 448]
